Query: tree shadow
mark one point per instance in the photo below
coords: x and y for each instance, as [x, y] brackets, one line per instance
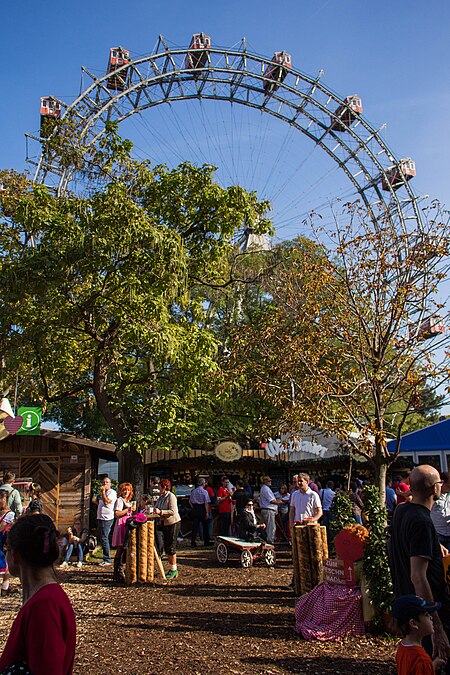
[237, 594]
[254, 624]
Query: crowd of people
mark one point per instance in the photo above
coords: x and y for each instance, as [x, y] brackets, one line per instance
[419, 516]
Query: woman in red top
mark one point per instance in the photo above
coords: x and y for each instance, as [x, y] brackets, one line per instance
[44, 632]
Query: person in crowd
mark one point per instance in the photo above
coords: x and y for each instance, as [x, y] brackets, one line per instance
[415, 554]
[313, 485]
[357, 502]
[167, 509]
[43, 635]
[212, 499]
[105, 517]
[224, 501]
[122, 512]
[440, 512]
[145, 502]
[6, 520]
[402, 490]
[269, 506]
[35, 491]
[413, 615]
[247, 486]
[14, 499]
[284, 497]
[305, 504]
[76, 542]
[200, 502]
[240, 499]
[327, 495]
[249, 528]
[35, 506]
[294, 484]
[391, 498]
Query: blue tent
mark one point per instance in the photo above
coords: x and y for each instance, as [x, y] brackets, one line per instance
[435, 438]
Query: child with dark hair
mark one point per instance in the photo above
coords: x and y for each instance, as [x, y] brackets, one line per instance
[44, 632]
[414, 620]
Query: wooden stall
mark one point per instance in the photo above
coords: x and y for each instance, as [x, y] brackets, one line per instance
[63, 465]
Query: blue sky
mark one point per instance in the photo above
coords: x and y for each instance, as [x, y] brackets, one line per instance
[394, 54]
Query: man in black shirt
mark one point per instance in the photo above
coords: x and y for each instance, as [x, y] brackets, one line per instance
[415, 553]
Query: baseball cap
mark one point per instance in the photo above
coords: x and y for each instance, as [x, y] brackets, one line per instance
[407, 607]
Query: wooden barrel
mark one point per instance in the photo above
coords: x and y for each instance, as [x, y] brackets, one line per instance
[131, 566]
[315, 553]
[142, 553]
[150, 547]
[323, 532]
[297, 588]
[304, 559]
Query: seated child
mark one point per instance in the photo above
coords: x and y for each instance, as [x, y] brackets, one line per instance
[76, 541]
[415, 622]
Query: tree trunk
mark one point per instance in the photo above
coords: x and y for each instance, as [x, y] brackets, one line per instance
[380, 481]
[131, 469]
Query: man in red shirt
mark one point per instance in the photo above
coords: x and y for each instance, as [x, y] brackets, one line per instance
[401, 490]
[224, 499]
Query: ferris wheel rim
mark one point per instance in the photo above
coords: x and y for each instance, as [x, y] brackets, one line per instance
[164, 76]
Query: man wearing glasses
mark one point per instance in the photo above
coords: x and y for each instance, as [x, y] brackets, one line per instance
[416, 555]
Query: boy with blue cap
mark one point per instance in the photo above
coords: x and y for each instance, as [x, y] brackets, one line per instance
[414, 620]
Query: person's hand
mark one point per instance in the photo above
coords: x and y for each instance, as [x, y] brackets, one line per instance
[444, 551]
[262, 526]
[440, 642]
[438, 664]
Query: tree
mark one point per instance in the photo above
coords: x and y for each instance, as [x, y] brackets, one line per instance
[101, 295]
[349, 335]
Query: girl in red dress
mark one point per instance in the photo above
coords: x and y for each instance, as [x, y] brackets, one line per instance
[44, 632]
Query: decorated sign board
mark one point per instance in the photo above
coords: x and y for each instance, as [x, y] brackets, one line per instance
[339, 572]
[26, 423]
[227, 451]
[31, 424]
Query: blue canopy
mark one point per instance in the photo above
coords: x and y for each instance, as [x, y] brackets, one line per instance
[433, 438]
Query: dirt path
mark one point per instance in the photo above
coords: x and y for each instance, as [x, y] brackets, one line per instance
[209, 620]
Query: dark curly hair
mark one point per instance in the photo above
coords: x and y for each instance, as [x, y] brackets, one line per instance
[35, 538]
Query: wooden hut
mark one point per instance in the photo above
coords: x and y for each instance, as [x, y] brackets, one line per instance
[63, 465]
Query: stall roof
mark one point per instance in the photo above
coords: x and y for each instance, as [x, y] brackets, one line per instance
[433, 438]
[105, 450]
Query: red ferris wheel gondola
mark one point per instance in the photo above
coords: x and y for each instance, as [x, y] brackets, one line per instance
[50, 112]
[118, 57]
[197, 55]
[276, 71]
[347, 113]
[397, 175]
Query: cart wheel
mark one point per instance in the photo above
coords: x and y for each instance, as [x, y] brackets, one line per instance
[222, 552]
[246, 558]
[269, 557]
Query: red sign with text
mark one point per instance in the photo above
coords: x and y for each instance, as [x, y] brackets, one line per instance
[339, 572]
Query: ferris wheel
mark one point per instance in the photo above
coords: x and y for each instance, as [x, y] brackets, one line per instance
[362, 165]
